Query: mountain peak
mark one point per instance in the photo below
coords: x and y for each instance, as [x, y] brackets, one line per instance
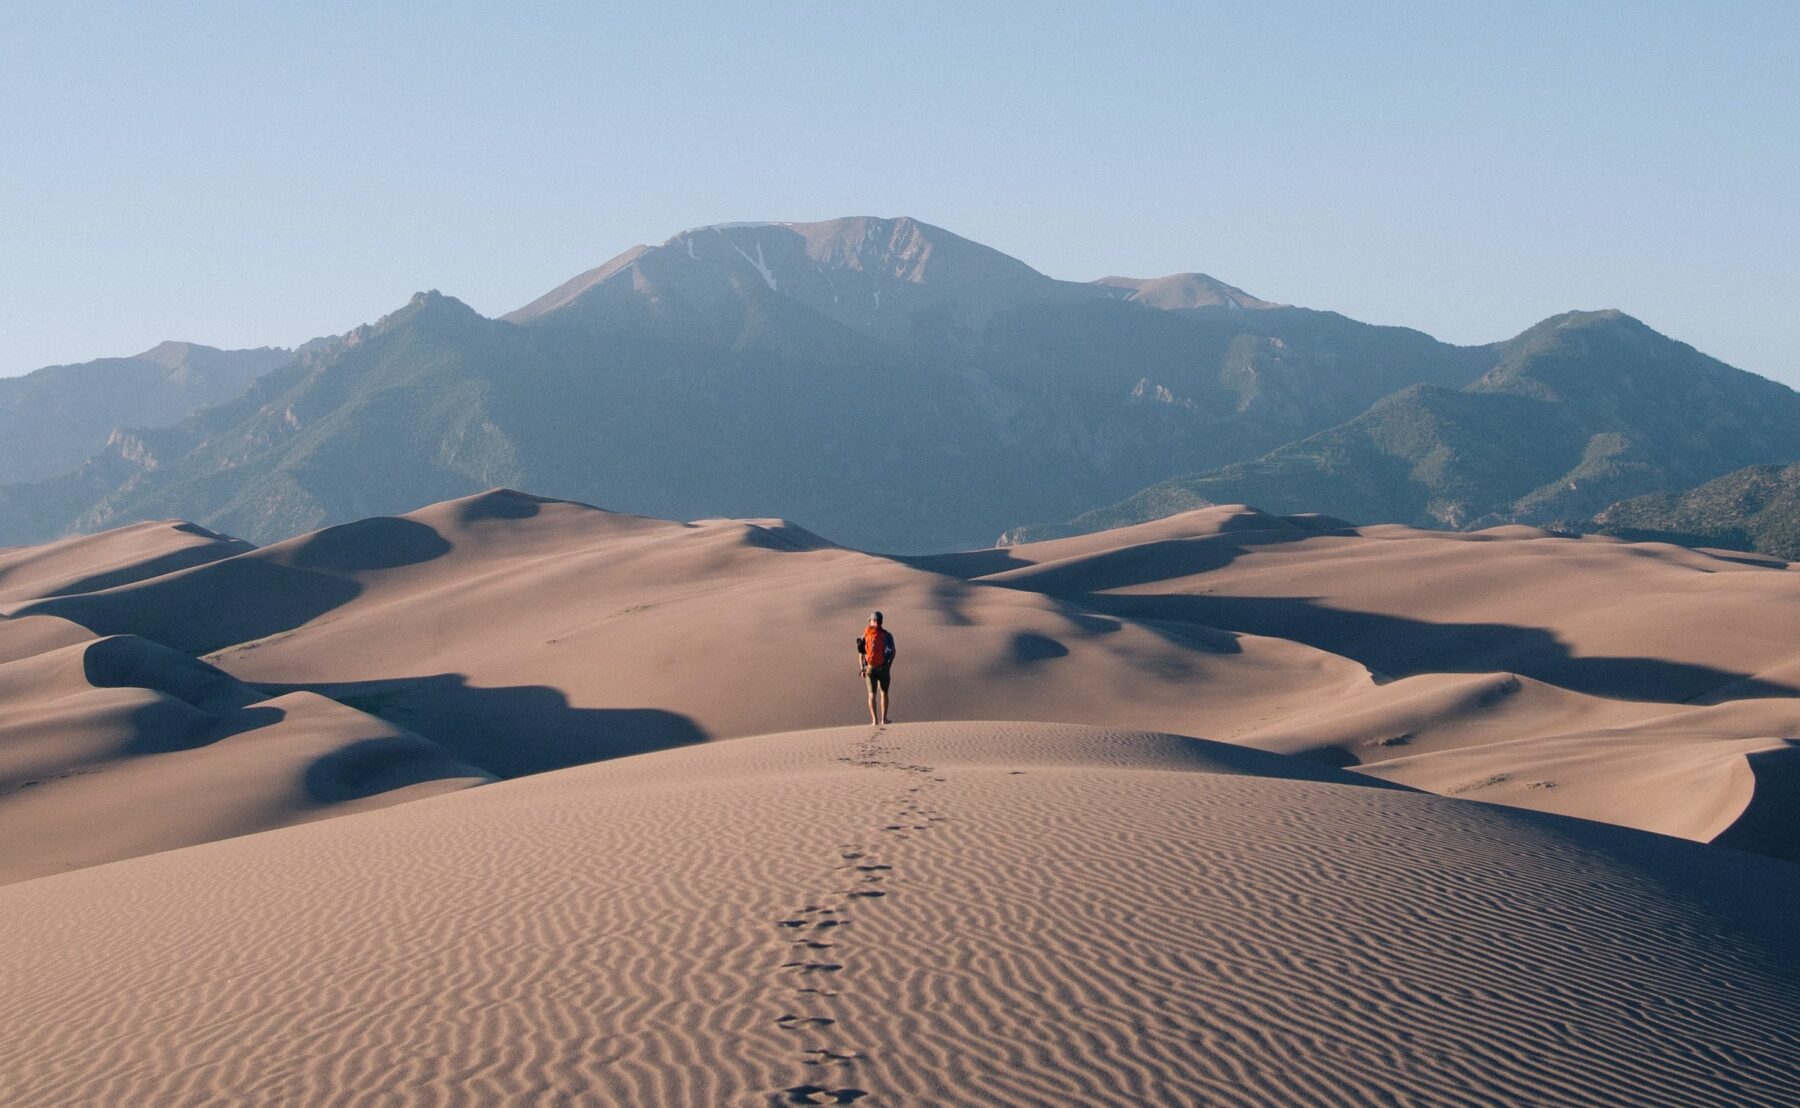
[172, 354]
[429, 303]
[1182, 290]
[876, 274]
[898, 248]
[872, 273]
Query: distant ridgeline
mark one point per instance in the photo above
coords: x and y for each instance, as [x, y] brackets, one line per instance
[898, 387]
[54, 419]
[1755, 508]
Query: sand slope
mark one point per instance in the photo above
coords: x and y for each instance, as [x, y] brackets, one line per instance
[527, 634]
[957, 914]
[1511, 665]
[115, 747]
[85, 563]
[1645, 685]
[1645, 621]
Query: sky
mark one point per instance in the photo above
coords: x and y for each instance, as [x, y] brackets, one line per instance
[258, 174]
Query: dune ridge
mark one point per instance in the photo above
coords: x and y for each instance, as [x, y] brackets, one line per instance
[85, 563]
[1641, 684]
[1626, 682]
[116, 747]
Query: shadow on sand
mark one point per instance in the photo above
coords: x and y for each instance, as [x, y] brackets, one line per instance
[1399, 647]
[1139, 563]
[154, 567]
[1767, 826]
[251, 596]
[372, 766]
[509, 731]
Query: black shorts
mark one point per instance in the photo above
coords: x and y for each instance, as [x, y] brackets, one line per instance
[878, 678]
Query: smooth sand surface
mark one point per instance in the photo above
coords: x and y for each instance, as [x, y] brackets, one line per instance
[88, 562]
[1640, 684]
[1631, 683]
[947, 914]
[1584, 677]
[115, 747]
[527, 635]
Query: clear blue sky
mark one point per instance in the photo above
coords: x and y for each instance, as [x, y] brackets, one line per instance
[238, 175]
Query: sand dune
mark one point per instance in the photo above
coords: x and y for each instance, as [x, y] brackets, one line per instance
[1645, 685]
[1644, 621]
[85, 563]
[956, 914]
[1512, 665]
[526, 634]
[115, 747]
[948, 913]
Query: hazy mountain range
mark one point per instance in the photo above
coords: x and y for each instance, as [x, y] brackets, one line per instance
[54, 419]
[1579, 412]
[902, 388]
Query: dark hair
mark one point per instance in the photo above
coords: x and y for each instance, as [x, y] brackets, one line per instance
[877, 617]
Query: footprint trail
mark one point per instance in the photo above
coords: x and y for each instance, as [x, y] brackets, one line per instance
[870, 874]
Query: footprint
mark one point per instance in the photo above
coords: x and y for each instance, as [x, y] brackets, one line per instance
[1484, 783]
[868, 893]
[819, 1094]
[794, 1023]
[790, 923]
[821, 1056]
[813, 944]
[813, 967]
[813, 991]
[1396, 740]
[824, 923]
[872, 867]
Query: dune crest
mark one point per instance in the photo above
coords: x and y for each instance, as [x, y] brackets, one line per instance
[115, 747]
[1633, 684]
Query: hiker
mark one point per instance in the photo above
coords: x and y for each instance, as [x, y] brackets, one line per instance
[874, 654]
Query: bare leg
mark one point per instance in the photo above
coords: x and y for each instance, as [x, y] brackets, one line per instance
[884, 707]
[874, 719]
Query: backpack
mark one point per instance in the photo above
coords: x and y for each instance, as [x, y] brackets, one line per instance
[878, 647]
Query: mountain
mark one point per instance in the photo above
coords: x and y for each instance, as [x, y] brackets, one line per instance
[841, 268]
[880, 379]
[52, 419]
[1182, 290]
[1755, 508]
[1577, 413]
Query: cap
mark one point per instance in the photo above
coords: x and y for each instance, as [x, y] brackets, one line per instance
[874, 617]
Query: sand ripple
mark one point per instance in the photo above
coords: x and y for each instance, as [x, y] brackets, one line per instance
[1068, 916]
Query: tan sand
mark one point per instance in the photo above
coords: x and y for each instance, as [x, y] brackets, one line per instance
[1516, 666]
[526, 635]
[1645, 685]
[1067, 916]
[112, 748]
[88, 562]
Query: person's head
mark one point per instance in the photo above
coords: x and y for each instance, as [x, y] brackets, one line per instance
[875, 619]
